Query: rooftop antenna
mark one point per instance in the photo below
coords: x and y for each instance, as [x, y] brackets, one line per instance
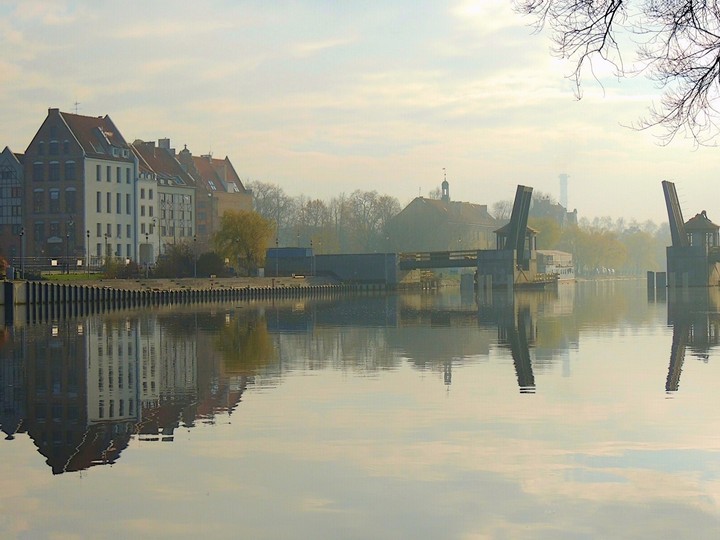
[444, 174]
[76, 106]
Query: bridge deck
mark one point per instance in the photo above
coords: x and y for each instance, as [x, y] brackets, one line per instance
[437, 259]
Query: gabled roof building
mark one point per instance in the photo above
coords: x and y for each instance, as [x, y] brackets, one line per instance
[80, 189]
[168, 207]
[442, 225]
[11, 204]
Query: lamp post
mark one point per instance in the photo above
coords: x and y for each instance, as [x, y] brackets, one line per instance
[147, 263]
[156, 224]
[277, 256]
[195, 255]
[87, 251]
[22, 252]
[107, 247]
[67, 252]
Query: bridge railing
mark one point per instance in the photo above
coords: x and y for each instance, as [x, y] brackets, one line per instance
[423, 256]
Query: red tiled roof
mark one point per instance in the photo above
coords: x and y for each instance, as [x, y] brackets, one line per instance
[97, 135]
[163, 163]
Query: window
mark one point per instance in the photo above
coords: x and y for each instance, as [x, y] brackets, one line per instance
[108, 170]
[98, 249]
[98, 173]
[127, 253]
[98, 231]
[142, 228]
[53, 148]
[54, 171]
[69, 170]
[66, 147]
[39, 231]
[128, 230]
[142, 193]
[142, 210]
[127, 175]
[54, 201]
[150, 194]
[70, 201]
[118, 250]
[108, 202]
[127, 203]
[54, 228]
[150, 211]
[119, 231]
[108, 230]
[118, 203]
[117, 174]
[38, 172]
[41, 148]
[98, 202]
[38, 201]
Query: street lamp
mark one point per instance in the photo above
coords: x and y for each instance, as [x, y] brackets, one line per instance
[156, 224]
[87, 251]
[195, 255]
[147, 262]
[277, 256]
[22, 252]
[67, 252]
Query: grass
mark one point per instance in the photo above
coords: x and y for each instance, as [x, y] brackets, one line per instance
[70, 278]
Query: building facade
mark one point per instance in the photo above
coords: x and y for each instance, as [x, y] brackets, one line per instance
[80, 188]
[11, 204]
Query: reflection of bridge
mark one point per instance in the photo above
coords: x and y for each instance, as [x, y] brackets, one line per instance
[437, 259]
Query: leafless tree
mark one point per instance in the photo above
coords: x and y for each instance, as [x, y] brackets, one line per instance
[678, 46]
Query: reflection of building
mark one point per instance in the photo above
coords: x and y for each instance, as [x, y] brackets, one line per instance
[81, 389]
[113, 374]
[695, 316]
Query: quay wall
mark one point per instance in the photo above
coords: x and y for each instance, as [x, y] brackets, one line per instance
[41, 300]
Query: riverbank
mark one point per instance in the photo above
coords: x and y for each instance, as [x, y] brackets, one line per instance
[178, 284]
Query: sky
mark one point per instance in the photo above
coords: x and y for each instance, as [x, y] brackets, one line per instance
[329, 97]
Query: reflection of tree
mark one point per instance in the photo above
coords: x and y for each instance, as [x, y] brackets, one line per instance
[245, 345]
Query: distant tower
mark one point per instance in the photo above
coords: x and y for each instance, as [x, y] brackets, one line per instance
[445, 188]
[563, 190]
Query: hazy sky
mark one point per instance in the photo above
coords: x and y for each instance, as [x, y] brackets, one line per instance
[329, 97]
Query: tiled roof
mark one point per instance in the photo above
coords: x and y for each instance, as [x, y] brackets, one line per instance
[461, 212]
[700, 222]
[163, 163]
[218, 171]
[97, 136]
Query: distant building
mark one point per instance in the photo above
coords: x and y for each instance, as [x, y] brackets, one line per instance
[11, 204]
[219, 189]
[441, 225]
[168, 207]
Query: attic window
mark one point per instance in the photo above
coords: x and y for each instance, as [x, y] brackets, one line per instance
[212, 185]
[125, 152]
[234, 187]
[114, 151]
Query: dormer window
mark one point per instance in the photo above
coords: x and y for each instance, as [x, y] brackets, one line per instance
[212, 185]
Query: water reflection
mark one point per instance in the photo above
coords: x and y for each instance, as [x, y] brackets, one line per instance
[82, 389]
[695, 317]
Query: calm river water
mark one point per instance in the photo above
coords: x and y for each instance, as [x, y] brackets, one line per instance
[591, 412]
